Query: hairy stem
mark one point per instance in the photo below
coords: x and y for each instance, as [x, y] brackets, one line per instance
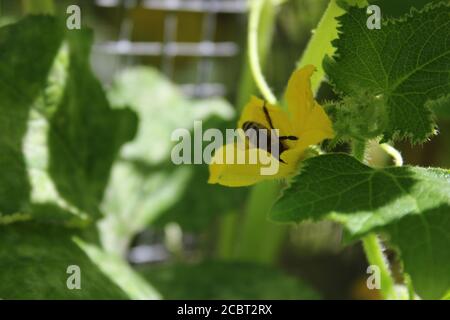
[371, 244]
[374, 253]
[359, 149]
[247, 84]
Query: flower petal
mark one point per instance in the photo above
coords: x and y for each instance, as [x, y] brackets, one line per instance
[254, 112]
[299, 96]
[318, 125]
[248, 173]
[307, 114]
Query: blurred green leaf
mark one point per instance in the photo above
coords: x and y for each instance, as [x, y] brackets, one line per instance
[118, 270]
[34, 260]
[405, 62]
[162, 109]
[225, 280]
[85, 132]
[201, 202]
[412, 204]
[59, 135]
[145, 186]
[135, 197]
[47, 205]
[21, 80]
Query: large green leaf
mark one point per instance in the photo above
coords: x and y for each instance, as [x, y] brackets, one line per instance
[412, 204]
[47, 205]
[395, 9]
[85, 132]
[225, 280]
[405, 64]
[162, 108]
[424, 241]
[22, 78]
[34, 261]
[59, 136]
[145, 185]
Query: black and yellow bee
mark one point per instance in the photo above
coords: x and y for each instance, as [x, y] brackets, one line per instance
[251, 128]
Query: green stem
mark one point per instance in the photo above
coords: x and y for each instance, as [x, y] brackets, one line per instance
[375, 256]
[265, 35]
[371, 244]
[319, 46]
[38, 6]
[227, 236]
[256, 8]
[320, 43]
[230, 245]
[359, 149]
[260, 239]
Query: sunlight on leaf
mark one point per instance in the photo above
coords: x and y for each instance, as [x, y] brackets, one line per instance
[34, 260]
[21, 80]
[411, 204]
[406, 62]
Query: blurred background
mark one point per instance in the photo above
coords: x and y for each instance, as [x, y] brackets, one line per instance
[176, 61]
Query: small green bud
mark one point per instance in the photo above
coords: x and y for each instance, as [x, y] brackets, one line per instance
[359, 117]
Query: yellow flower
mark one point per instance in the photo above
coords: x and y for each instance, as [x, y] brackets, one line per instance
[306, 120]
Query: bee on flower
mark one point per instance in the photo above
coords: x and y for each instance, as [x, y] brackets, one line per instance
[289, 134]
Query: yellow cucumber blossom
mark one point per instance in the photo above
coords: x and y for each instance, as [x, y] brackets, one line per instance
[304, 125]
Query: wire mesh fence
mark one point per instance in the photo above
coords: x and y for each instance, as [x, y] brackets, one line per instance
[169, 48]
[203, 51]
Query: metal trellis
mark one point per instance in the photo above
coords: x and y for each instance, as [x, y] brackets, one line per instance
[169, 48]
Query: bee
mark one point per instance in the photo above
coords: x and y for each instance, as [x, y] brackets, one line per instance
[252, 128]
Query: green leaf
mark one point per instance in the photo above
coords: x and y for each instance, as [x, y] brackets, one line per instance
[396, 9]
[423, 241]
[46, 205]
[225, 280]
[145, 184]
[118, 270]
[440, 107]
[162, 108]
[202, 211]
[34, 260]
[406, 63]
[85, 132]
[412, 204]
[360, 197]
[138, 194]
[21, 80]
[58, 134]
